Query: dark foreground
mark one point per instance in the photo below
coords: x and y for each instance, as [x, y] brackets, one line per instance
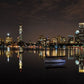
[34, 70]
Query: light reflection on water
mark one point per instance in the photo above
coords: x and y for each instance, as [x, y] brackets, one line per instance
[58, 65]
[58, 57]
[54, 58]
[9, 54]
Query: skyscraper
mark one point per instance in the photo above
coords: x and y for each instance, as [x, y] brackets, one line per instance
[20, 33]
[9, 39]
[79, 34]
[70, 39]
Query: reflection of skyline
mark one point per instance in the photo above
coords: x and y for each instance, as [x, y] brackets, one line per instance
[55, 52]
[9, 53]
[63, 54]
[70, 52]
[80, 63]
[19, 55]
[20, 61]
[75, 54]
[53, 58]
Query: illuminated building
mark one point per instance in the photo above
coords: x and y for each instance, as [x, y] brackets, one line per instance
[77, 39]
[70, 39]
[20, 34]
[79, 34]
[41, 37]
[47, 41]
[9, 39]
[54, 40]
[61, 39]
[43, 41]
[81, 25]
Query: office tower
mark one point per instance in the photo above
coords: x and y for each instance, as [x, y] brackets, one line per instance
[9, 39]
[20, 33]
[70, 39]
[79, 34]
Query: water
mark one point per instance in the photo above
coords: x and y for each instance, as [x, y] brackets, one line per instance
[42, 66]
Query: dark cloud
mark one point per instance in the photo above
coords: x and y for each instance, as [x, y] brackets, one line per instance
[40, 9]
[42, 15]
[49, 8]
[74, 11]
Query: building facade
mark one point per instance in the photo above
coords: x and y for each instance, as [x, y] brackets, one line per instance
[9, 39]
[79, 34]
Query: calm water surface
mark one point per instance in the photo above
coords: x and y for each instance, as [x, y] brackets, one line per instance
[42, 66]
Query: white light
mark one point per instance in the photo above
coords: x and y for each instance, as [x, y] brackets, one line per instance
[8, 34]
[77, 32]
[8, 48]
[8, 59]
[20, 31]
[77, 62]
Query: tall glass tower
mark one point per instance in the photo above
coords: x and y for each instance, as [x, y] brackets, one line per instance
[20, 33]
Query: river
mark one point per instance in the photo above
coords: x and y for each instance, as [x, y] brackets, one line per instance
[42, 66]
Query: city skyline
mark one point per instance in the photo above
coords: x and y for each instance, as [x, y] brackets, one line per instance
[40, 17]
[20, 30]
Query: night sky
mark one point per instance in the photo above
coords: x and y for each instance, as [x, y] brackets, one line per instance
[40, 17]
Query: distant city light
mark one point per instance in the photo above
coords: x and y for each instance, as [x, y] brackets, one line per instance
[8, 34]
[81, 25]
[20, 29]
[77, 32]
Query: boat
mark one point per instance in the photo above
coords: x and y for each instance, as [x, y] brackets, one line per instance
[53, 62]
